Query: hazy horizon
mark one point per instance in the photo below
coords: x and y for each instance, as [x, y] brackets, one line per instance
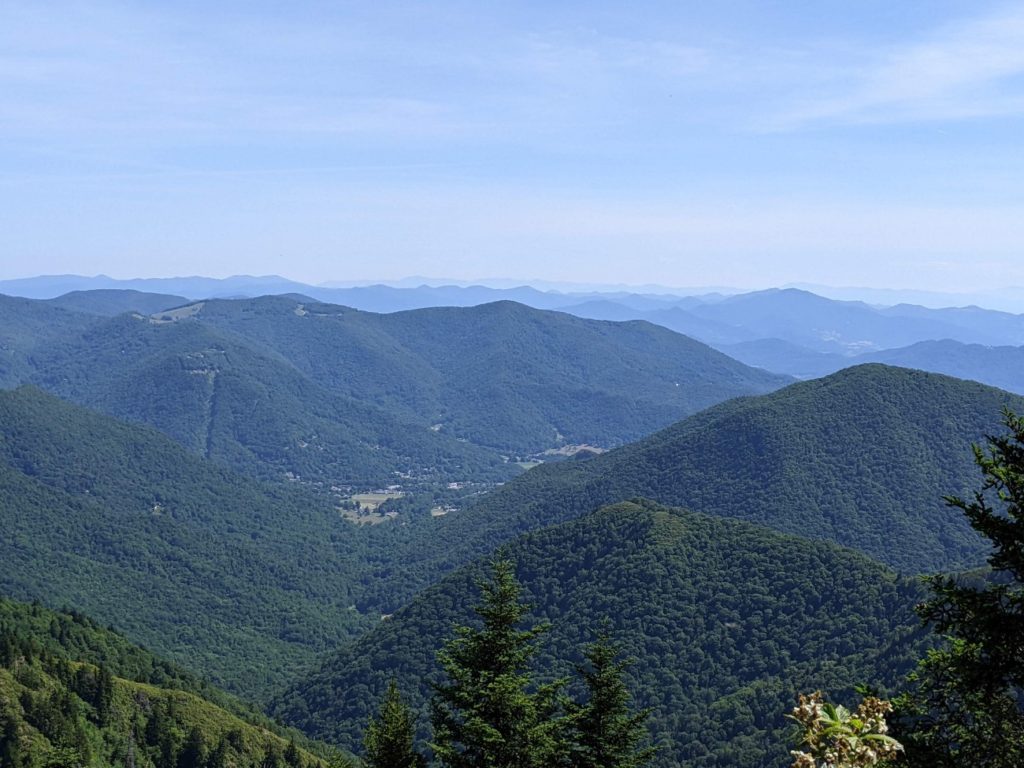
[1006, 298]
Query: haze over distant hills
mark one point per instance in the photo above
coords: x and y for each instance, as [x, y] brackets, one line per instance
[1002, 298]
[789, 331]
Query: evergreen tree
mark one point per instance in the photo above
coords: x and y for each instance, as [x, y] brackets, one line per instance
[606, 734]
[193, 753]
[968, 707]
[219, 757]
[490, 714]
[10, 744]
[273, 757]
[8, 649]
[389, 739]
[104, 699]
[292, 756]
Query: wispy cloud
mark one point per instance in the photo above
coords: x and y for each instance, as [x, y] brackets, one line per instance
[963, 70]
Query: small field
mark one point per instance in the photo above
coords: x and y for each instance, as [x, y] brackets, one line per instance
[366, 506]
[371, 501]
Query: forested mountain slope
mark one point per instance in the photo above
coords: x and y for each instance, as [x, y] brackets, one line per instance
[500, 375]
[284, 386]
[862, 458]
[26, 326]
[726, 622]
[245, 405]
[241, 581]
[73, 693]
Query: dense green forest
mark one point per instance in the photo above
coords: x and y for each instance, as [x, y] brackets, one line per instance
[247, 407]
[726, 621]
[211, 532]
[241, 581]
[861, 458]
[227, 575]
[74, 693]
[26, 326]
[284, 384]
[501, 375]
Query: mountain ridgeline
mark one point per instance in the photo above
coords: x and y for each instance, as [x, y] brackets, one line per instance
[862, 458]
[725, 620]
[246, 406]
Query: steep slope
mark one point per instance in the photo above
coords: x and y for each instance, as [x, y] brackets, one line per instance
[726, 621]
[72, 692]
[499, 375]
[240, 581]
[861, 458]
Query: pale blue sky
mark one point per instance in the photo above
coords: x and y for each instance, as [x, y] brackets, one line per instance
[680, 143]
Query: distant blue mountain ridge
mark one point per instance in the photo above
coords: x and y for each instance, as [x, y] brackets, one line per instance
[789, 331]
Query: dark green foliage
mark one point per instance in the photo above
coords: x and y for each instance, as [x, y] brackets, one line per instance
[57, 708]
[10, 742]
[26, 326]
[727, 621]
[103, 695]
[487, 713]
[389, 740]
[968, 706]
[193, 752]
[33, 631]
[241, 581]
[606, 733]
[1001, 366]
[854, 458]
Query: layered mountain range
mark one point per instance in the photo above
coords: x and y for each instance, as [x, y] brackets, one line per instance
[790, 331]
[185, 471]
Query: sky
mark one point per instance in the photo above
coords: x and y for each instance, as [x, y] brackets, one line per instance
[745, 144]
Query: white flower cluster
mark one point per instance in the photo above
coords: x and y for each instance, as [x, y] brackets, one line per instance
[834, 737]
